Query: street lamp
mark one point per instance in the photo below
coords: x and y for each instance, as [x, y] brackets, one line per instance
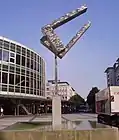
[51, 41]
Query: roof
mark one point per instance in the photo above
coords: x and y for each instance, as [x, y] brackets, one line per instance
[108, 69]
[59, 82]
[73, 89]
[117, 60]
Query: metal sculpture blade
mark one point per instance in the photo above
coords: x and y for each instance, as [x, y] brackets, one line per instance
[50, 39]
[60, 51]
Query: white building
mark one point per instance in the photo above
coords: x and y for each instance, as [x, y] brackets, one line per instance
[65, 90]
[113, 74]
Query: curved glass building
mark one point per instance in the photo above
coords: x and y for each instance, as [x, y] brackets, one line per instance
[22, 71]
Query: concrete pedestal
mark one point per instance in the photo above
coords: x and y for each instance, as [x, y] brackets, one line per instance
[56, 113]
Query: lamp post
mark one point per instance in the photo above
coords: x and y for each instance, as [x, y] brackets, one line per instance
[56, 76]
[51, 41]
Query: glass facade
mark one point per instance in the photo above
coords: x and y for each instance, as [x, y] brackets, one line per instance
[21, 70]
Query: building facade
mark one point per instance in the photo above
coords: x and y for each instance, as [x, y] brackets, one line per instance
[22, 71]
[65, 90]
[112, 74]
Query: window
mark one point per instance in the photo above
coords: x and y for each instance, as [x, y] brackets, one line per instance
[4, 77]
[18, 70]
[37, 66]
[12, 68]
[17, 59]
[28, 63]
[11, 79]
[23, 51]
[6, 56]
[12, 47]
[27, 72]
[27, 90]
[31, 64]
[17, 81]
[31, 74]
[31, 82]
[6, 45]
[4, 87]
[22, 80]
[22, 90]
[35, 57]
[34, 75]
[34, 92]
[34, 65]
[23, 71]
[31, 91]
[38, 76]
[1, 41]
[38, 84]
[18, 49]
[37, 92]
[11, 88]
[0, 54]
[17, 89]
[12, 57]
[32, 55]
[40, 93]
[5, 67]
[28, 53]
[27, 81]
[23, 61]
[12, 60]
[35, 83]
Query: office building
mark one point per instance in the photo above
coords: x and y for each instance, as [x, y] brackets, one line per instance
[22, 71]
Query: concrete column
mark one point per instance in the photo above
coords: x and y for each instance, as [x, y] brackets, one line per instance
[17, 109]
[56, 113]
[34, 109]
[45, 108]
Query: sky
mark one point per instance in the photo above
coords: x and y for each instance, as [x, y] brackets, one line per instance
[84, 65]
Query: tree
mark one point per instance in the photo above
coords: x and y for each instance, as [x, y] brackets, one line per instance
[77, 99]
[91, 98]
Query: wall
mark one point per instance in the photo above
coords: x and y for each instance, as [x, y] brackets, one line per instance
[96, 134]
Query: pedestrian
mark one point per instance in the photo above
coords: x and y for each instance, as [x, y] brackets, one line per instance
[1, 110]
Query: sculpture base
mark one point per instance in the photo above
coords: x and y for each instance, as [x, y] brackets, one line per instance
[56, 113]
